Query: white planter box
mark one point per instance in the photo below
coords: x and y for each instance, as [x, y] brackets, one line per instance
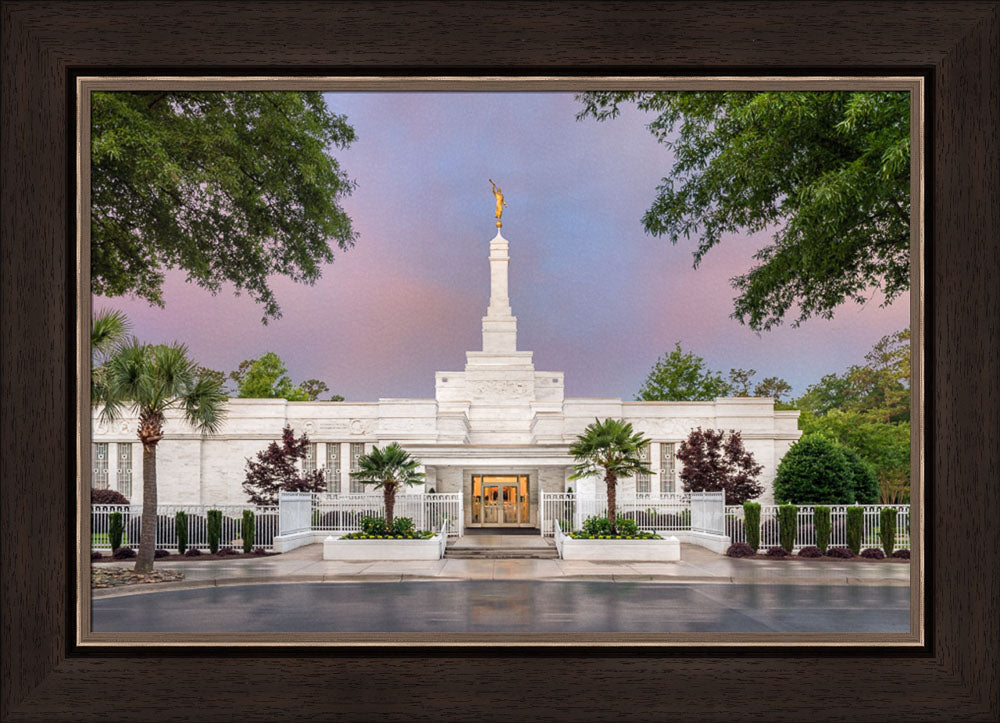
[335, 548]
[666, 549]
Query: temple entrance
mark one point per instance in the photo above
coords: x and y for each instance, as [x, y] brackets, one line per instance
[500, 501]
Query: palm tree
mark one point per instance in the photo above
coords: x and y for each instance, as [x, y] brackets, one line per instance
[153, 378]
[108, 331]
[388, 468]
[613, 448]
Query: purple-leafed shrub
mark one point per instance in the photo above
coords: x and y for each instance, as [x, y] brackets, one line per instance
[161, 553]
[777, 551]
[902, 554]
[193, 552]
[225, 551]
[873, 553]
[739, 549]
[810, 551]
[124, 553]
[107, 497]
[842, 553]
[259, 551]
[95, 555]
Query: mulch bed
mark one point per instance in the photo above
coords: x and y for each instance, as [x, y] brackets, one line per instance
[173, 559]
[856, 558]
[118, 576]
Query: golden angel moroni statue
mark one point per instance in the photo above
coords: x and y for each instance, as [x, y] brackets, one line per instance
[501, 204]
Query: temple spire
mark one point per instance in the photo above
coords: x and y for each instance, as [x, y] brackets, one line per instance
[499, 325]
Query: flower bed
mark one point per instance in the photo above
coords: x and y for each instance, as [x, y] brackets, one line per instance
[595, 542]
[407, 536]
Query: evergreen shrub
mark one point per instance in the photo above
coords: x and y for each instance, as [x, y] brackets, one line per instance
[821, 520]
[887, 529]
[115, 530]
[855, 528]
[181, 530]
[814, 471]
[247, 533]
[788, 524]
[214, 530]
[751, 515]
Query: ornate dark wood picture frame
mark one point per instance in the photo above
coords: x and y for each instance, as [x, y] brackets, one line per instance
[955, 47]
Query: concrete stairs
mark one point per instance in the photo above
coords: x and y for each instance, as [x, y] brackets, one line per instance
[501, 547]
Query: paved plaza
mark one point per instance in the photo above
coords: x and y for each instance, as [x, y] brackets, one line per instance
[521, 606]
[697, 565]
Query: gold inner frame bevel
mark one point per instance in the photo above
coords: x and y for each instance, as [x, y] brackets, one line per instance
[915, 85]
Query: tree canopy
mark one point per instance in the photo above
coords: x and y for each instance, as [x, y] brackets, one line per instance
[717, 461]
[267, 378]
[232, 187]
[276, 469]
[828, 173]
[682, 376]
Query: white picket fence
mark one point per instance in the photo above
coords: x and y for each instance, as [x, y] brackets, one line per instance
[806, 529]
[428, 510]
[658, 514]
[265, 525]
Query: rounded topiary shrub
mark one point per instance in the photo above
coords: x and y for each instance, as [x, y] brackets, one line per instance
[864, 478]
[193, 552]
[259, 551]
[810, 551]
[161, 553]
[777, 551]
[740, 549]
[95, 555]
[873, 553]
[901, 554]
[840, 552]
[224, 551]
[124, 553]
[107, 497]
[814, 472]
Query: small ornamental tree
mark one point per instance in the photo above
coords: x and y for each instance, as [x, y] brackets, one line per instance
[388, 469]
[248, 531]
[107, 497]
[855, 528]
[821, 520]
[788, 524]
[887, 530]
[276, 469]
[814, 472]
[751, 518]
[181, 527]
[865, 482]
[714, 460]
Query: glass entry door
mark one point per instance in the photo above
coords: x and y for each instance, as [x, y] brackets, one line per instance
[500, 500]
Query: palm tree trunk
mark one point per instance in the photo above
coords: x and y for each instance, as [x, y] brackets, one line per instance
[612, 482]
[390, 503]
[147, 538]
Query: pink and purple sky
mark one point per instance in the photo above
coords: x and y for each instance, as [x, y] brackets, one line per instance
[594, 295]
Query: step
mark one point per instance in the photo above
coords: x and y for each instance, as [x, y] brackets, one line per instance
[531, 553]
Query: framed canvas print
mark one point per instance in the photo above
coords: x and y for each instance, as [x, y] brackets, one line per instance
[289, 349]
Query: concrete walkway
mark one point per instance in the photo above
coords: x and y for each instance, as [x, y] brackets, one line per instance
[697, 565]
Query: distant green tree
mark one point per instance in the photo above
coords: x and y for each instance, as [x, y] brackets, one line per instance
[337, 398]
[774, 387]
[230, 186]
[267, 378]
[682, 376]
[741, 382]
[827, 172]
[313, 388]
[864, 480]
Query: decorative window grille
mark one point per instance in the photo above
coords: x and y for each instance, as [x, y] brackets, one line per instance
[357, 451]
[333, 466]
[309, 463]
[125, 468]
[667, 468]
[100, 480]
[642, 480]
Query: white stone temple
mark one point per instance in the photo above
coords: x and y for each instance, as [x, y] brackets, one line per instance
[498, 431]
